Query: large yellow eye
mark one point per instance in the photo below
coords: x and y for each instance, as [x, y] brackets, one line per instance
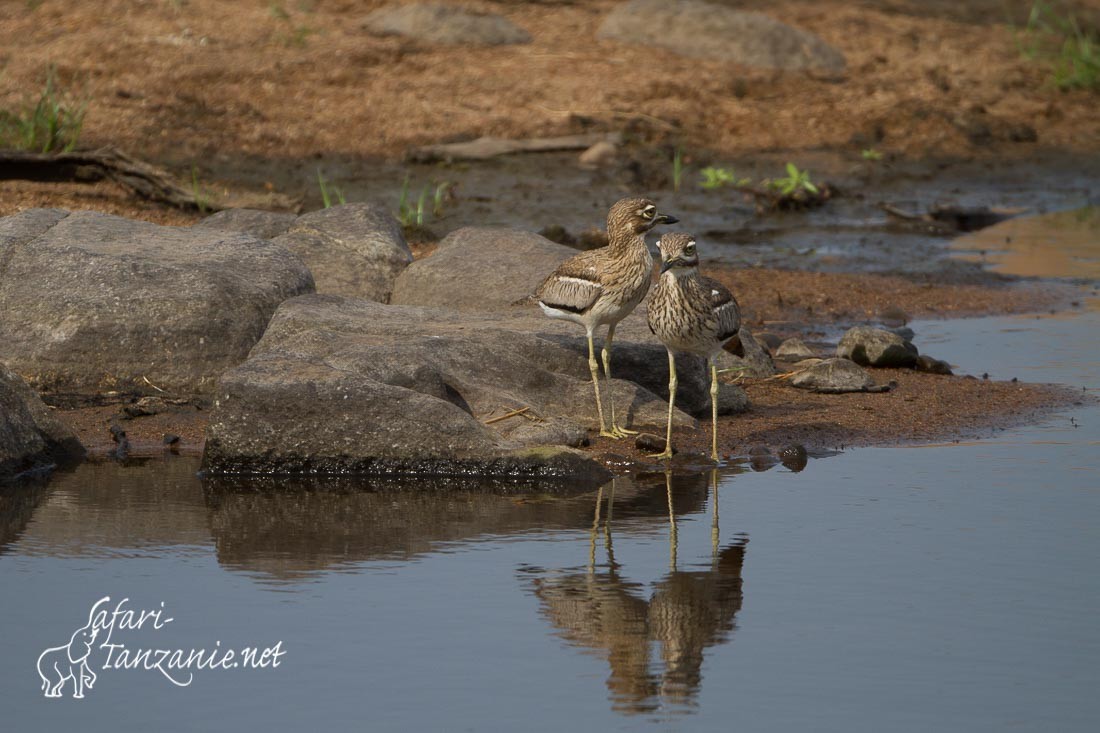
[649, 211]
[690, 248]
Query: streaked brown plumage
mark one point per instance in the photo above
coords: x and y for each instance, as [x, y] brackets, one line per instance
[602, 286]
[693, 314]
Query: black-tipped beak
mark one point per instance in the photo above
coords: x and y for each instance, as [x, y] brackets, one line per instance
[667, 219]
[668, 265]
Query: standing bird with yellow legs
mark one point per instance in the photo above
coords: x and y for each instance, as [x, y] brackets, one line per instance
[693, 314]
[602, 286]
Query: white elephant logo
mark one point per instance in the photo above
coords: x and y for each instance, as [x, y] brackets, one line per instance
[59, 664]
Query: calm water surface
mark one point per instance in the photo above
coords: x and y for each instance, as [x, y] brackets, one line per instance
[950, 587]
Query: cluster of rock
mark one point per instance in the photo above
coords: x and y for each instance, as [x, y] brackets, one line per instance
[321, 347]
[861, 346]
[325, 349]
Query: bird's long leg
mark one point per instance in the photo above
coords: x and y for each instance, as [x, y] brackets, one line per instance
[713, 410]
[594, 369]
[671, 401]
[617, 429]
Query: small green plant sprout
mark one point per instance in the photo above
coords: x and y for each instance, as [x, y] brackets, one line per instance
[441, 190]
[870, 154]
[409, 213]
[713, 178]
[326, 192]
[795, 182]
[405, 212]
[677, 168]
[51, 124]
[1071, 51]
[198, 192]
[421, 201]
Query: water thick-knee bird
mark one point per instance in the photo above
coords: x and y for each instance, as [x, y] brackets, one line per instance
[602, 286]
[690, 313]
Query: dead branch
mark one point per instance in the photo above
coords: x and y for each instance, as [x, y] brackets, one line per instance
[490, 147]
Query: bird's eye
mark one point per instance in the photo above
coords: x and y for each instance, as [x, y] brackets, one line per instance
[690, 249]
[649, 211]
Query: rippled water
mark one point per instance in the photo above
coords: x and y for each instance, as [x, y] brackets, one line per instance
[949, 587]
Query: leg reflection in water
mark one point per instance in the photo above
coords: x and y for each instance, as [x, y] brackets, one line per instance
[601, 611]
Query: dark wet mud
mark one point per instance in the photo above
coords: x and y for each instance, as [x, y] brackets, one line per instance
[850, 233]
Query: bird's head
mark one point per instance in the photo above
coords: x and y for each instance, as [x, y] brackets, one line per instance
[678, 252]
[632, 216]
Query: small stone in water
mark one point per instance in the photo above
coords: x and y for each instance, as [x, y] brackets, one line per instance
[650, 443]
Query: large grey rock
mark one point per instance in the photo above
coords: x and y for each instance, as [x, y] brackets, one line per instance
[480, 269]
[356, 250]
[341, 384]
[834, 376]
[92, 302]
[876, 347]
[29, 433]
[438, 23]
[702, 29]
[263, 224]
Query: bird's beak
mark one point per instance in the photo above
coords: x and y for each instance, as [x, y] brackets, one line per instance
[666, 219]
[669, 264]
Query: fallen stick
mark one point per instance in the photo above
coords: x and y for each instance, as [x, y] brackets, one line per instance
[505, 416]
[490, 147]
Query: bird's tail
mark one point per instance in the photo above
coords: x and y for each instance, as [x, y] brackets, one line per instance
[525, 300]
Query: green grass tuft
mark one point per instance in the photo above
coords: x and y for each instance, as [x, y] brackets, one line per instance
[794, 182]
[326, 194]
[677, 169]
[1059, 40]
[713, 178]
[52, 123]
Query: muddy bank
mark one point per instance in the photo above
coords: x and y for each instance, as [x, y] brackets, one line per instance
[791, 302]
[921, 408]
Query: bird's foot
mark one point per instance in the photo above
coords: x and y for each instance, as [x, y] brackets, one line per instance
[665, 456]
[611, 434]
[622, 432]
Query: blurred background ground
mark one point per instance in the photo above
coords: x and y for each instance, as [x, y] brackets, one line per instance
[241, 93]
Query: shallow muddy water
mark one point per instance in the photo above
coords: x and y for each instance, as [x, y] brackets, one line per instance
[948, 587]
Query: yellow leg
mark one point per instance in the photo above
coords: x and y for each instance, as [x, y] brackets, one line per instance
[667, 454]
[594, 369]
[713, 411]
[618, 430]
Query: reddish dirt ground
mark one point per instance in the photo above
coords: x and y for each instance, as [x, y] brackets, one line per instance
[181, 80]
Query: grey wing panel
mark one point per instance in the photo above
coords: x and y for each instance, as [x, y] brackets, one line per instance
[569, 293]
[725, 308]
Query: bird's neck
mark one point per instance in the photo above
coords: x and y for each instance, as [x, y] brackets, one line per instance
[622, 242]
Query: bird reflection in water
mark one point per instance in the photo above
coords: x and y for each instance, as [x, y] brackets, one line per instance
[686, 612]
